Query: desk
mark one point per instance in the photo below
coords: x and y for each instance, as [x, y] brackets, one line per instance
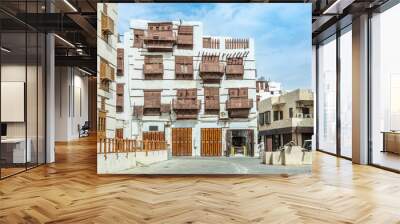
[391, 142]
[13, 150]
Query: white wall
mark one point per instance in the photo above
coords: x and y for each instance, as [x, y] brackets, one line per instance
[33, 125]
[71, 102]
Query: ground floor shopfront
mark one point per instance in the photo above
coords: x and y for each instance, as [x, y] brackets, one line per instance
[202, 138]
[276, 138]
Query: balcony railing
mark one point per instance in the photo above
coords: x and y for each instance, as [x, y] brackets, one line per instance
[114, 145]
[153, 69]
[186, 104]
[107, 24]
[291, 122]
[239, 103]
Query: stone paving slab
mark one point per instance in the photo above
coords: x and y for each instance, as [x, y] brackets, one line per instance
[215, 165]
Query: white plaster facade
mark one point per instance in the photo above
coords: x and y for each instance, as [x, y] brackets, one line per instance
[108, 51]
[133, 66]
[289, 114]
[123, 119]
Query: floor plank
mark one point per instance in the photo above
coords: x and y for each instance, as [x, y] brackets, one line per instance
[70, 191]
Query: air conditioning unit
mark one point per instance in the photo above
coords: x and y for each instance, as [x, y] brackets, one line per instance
[299, 115]
[223, 115]
[307, 115]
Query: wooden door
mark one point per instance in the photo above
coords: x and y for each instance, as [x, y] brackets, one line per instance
[181, 141]
[211, 142]
[268, 145]
[153, 140]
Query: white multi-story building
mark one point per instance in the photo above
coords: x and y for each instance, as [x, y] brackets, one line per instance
[197, 92]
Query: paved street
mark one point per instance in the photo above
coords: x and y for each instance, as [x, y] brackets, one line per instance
[215, 165]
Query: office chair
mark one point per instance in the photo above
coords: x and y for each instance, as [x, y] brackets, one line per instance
[84, 130]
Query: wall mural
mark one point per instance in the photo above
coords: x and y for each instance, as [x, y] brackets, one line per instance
[182, 93]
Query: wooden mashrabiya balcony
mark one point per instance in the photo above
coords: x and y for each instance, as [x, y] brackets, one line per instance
[239, 107]
[159, 40]
[107, 24]
[186, 104]
[211, 71]
[239, 103]
[186, 108]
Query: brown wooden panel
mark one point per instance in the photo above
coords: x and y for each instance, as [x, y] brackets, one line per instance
[153, 140]
[181, 93]
[234, 92]
[181, 141]
[243, 92]
[120, 88]
[211, 91]
[185, 29]
[234, 61]
[152, 98]
[138, 38]
[184, 60]
[119, 133]
[120, 61]
[153, 59]
[211, 142]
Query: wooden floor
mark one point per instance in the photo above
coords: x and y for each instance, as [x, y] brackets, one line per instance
[387, 159]
[70, 191]
[5, 172]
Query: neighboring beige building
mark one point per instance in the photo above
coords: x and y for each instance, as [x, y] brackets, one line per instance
[285, 118]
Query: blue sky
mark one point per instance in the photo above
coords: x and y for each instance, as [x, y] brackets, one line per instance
[282, 32]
